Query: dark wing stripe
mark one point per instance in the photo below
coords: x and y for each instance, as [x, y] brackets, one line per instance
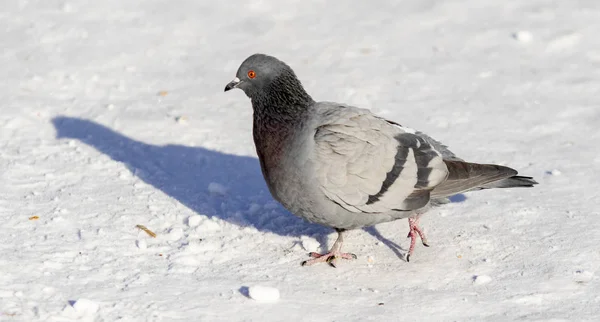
[416, 200]
[423, 157]
[423, 154]
[392, 175]
[423, 177]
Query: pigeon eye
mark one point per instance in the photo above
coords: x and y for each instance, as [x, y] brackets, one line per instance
[251, 74]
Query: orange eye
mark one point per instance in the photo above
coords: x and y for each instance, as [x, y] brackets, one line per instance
[251, 74]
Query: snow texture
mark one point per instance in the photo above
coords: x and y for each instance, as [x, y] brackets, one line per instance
[481, 279]
[113, 115]
[263, 293]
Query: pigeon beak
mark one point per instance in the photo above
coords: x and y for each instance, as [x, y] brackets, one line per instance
[233, 84]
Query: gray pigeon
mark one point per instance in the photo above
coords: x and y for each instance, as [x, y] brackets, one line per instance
[345, 168]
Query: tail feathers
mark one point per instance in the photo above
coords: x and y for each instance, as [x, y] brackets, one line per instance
[465, 176]
[512, 182]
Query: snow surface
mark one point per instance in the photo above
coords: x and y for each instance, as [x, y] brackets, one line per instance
[112, 115]
[263, 293]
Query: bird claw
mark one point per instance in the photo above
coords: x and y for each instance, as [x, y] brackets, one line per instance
[329, 258]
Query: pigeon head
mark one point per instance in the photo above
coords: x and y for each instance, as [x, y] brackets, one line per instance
[267, 80]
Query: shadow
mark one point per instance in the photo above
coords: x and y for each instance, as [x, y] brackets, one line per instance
[397, 249]
[210, 183]
[245, 291]
[458, 198]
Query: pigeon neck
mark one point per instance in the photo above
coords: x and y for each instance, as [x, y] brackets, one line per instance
[282, 111]
[287, 104]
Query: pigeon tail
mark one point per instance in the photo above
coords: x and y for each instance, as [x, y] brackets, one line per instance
[512, 182]
[466, 176]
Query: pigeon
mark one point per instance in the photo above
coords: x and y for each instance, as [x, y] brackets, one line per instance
[344, 167]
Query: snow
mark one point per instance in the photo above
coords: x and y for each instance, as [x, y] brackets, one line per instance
[194, 221]
[90, 146]
[310, 244]
[141, 244]
[481, 279]
[263, 293]
[82, 309]
[523, 36]
[583, 276]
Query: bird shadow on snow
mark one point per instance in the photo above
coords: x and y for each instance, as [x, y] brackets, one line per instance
[397, 249]
[185, 174]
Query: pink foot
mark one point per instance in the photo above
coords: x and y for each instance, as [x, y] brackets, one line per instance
[329, 258]
[415, 230]
[334, 253]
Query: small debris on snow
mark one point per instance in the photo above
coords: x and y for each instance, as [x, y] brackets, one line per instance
[263, 293]
[34, 218]
[523, 36]
[309, 244]
[582, 276]
[217, 188]
[481, 279]
[194, 221]
[163, 93]
[141, 244]
[370, 259]
[148, 231]
[81, 308]
[181, 119]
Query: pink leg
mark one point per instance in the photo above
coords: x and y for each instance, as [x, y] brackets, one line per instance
[333, 254]
[415, 230]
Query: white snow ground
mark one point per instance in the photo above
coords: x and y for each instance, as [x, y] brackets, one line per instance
[112, 114]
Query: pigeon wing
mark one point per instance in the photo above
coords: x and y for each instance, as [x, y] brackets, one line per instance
[365, 164]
